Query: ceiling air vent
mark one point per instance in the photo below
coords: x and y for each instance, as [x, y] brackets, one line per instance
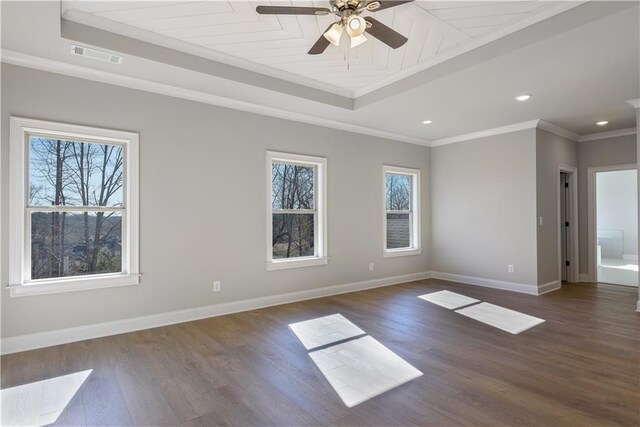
[96, 54]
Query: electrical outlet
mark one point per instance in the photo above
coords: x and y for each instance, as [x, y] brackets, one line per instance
[541, 221]
[216, 286]
[370, 266]
[510, 268]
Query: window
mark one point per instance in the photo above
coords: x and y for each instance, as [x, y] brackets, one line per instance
[74, 207]
[296, 207]
[401, 211]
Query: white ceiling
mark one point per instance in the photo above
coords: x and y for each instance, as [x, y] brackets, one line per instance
[434, 29]
[577, 78]
[581, 66]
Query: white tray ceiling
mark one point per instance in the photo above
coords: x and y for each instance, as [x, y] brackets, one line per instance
[435, 29]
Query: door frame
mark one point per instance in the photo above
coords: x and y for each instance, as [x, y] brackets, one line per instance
[592, 211]
[573, 275]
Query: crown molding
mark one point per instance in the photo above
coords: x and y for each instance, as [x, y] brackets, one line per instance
[532, 124]
[634, 102]
[608, 134]
[71, 70]
[557, 130]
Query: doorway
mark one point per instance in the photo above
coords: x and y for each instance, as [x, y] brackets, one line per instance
[568, 225]
[617, 227]
[565, 263]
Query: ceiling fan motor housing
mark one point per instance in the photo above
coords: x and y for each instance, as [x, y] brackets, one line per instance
[346, 5]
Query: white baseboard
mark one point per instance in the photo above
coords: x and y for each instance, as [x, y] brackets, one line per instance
[488, 283]
[630, 257]
[549, 287]
[638, 306]
[585, 278]
[63, 336]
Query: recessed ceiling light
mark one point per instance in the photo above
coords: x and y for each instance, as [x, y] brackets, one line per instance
[602, 123]
[523, 98]
[427, 122]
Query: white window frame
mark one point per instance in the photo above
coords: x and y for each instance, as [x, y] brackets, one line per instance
[320, 209]
[19, 212]
[414, 212]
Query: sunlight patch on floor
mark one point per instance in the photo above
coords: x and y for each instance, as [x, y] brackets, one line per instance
[448, 299]
[41, 402]
[362, 368]
[510, 321]
[357, 367]
[324, 330]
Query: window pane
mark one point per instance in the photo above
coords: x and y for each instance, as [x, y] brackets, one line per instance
[398, 192]
[75, 243]
[292, 186]
[74, 173]
[293, 235]
[398, 231]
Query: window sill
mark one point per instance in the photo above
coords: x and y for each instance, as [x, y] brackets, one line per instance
[296, 263]
[401, 252]
[42, 287]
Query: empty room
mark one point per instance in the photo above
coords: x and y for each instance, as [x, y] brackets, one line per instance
[319, 213]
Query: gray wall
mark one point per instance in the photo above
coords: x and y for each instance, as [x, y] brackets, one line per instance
[202, 201]
[551, 152]
[483, 207]
[602, 152]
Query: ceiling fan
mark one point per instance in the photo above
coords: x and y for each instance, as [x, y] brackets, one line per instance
[349, 13]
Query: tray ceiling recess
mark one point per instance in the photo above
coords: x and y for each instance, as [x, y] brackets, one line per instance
[348, 31]
[436, 31]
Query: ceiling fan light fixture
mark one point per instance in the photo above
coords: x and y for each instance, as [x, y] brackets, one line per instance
[347, 12]
[356, 25]
[357, 40]
[333, 34]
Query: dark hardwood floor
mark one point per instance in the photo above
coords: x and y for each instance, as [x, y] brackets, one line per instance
[579, 368]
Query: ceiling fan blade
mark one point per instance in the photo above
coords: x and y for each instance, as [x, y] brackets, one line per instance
[386, 35]
[291, 10]
[386, 4]
[321, 45]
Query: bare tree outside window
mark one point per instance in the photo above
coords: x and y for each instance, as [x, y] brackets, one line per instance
[293, 210]
[398, 211]
[75, 207]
